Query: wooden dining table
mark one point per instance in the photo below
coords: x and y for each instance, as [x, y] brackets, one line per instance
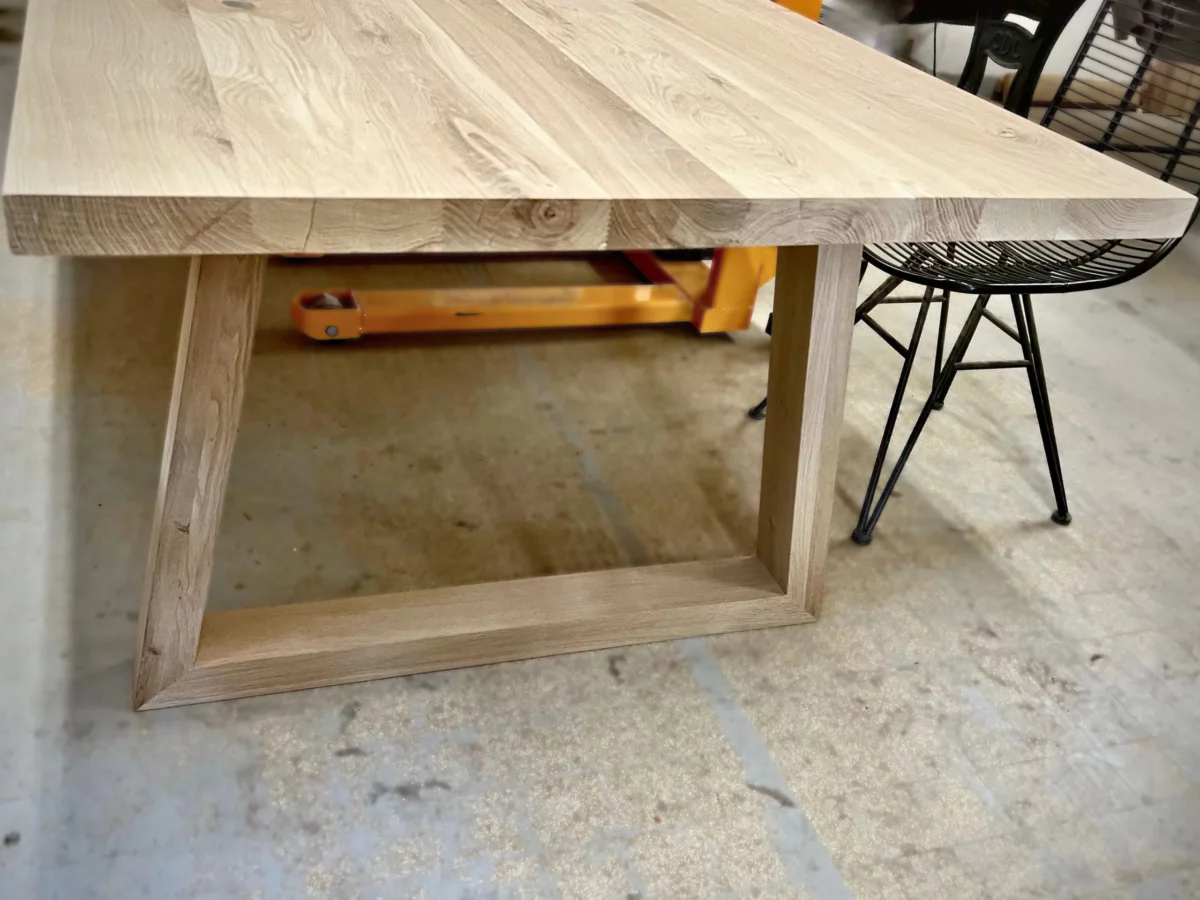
[229, 130]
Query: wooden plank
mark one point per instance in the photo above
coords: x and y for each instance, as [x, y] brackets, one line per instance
[285, 648]
[815, 290]
[554, 89]
[517, 125]
[89, 91]
[210, 374]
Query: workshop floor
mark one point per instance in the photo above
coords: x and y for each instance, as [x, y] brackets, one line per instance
[991, 707]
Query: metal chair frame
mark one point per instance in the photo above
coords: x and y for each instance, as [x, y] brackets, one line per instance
[1021, 269]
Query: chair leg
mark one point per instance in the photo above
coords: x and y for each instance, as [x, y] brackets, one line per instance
[941, 342]
[759, 412]
[968, 331]
[869, 517]
[1027, 330]
[880, 294]
[894, 412]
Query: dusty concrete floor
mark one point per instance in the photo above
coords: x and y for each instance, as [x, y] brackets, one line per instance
[992, 706]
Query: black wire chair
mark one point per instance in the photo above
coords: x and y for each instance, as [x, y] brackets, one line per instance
[1133, 91]
[1010, 46]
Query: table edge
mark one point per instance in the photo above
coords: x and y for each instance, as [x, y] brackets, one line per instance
[140, 226]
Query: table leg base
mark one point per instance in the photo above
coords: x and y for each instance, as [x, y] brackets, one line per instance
[248, 652]
[188, 656]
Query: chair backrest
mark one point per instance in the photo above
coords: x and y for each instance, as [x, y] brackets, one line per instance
[1012, 46]
[1133, 90]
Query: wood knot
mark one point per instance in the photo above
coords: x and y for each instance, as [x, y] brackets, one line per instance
[549, 217]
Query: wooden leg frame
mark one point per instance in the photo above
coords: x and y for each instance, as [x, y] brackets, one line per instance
[185, 656]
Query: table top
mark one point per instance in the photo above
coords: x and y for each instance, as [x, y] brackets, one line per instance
[262, 126]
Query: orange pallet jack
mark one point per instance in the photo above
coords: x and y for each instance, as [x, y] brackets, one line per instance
[650, 289]
[656, 289]
[810, 9]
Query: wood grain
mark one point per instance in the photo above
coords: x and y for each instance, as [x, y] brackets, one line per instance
[305, 645]
[815, 290]
[210, 374]
[201, 127]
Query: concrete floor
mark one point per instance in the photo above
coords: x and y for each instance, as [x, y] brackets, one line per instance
[991, 707]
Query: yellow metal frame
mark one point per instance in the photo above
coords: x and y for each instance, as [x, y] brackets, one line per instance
[810, 9]
[720, 298]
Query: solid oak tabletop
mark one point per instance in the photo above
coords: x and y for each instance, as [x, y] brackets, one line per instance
[264, 126]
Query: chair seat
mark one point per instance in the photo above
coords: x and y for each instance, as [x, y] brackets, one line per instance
[999, 267]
